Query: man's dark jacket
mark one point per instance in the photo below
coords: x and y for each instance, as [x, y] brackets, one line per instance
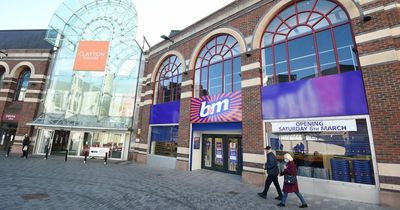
[272, 164]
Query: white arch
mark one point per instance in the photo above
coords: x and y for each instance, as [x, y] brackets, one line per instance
[233, 32]
[161, 60]
[17, 68]
[347, 5]
[6, 67]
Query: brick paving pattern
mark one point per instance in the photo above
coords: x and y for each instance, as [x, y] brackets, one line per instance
[35, 183]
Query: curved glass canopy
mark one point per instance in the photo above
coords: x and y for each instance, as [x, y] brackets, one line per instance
[93, 99]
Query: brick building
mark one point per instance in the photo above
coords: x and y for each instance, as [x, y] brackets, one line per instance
[24, 63]
[318, 79]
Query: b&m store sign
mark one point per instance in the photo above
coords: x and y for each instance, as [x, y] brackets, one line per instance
[224, 107]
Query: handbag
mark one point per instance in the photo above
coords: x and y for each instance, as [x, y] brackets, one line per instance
[25, 148]
[289, 179]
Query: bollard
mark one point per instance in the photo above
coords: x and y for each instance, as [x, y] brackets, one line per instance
[85, 157]
[8, 151]
[47, 153]
[105, 159]
[66, 155]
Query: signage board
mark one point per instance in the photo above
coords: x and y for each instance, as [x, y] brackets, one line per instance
[314, 126]
[98, 151]
[10, 117]
[224, 107]
[91, 56]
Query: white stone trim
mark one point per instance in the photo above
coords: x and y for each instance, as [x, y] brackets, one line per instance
[146, 102]
[258, 170]
[149, 92]
[33, 91]
[9, 81]
[390, 186]
[5, 99]
[387, 32]
[251, 82]
[36, 82]
[140, 145]
[187, 82]
[381, 57]
[250, 66]
[18, 138]
[183, 150]
[253, 158]
[30, 55]
[248, 41]
[3, 90]
[17, 143]
[362, 2]
[39, 76]
[382, 8]
[182, 158]
[141, 152]
[187, 94]
[34, 100]
[389, 169]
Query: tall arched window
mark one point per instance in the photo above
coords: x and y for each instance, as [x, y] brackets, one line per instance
[218, 67]
[22, 86]
[310, 38]
[169, 79]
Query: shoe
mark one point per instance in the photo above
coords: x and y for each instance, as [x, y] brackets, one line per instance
[262, 195]
[303, 206]
[278, 198]
[281, 205]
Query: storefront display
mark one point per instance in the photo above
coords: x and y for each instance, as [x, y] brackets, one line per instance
[164, 140]
[336, 154]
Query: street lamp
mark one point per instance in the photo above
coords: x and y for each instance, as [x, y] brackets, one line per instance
[167, 38]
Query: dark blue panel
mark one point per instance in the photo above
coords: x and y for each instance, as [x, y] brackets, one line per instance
[165, 113]
[164, 133]
[217, 126]
[334, 95]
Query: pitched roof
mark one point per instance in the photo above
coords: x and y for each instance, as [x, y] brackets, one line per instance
[24, 39]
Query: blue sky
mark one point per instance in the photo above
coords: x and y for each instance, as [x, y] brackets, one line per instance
[156, 17]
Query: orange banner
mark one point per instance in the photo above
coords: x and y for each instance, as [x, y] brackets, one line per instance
[91, 56]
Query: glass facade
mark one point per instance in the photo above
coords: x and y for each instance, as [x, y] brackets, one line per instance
[306, 40]
[218, 67]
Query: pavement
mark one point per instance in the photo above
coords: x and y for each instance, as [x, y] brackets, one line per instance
[35, 183]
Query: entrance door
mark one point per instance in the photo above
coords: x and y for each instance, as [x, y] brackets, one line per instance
[60, 143]
[222, 153]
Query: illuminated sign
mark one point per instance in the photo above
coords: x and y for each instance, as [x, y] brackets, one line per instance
[91, 56]
[224, 107]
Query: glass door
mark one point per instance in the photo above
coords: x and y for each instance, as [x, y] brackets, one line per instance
[233, 154]
[219, 153]
[75, 143]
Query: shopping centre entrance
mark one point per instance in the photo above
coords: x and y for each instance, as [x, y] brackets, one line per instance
[222, 153]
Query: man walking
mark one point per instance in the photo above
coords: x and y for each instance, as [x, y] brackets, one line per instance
[273, 171]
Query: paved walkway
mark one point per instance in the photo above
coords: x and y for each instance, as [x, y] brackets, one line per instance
[35, 183]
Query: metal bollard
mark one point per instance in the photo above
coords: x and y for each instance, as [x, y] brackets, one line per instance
[8, 151]
[85, 157]
[47, 154]
[105, 159]
[66, 155]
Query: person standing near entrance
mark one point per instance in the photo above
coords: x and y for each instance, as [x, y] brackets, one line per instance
[271, 166]
[25, 146]
[290, 183]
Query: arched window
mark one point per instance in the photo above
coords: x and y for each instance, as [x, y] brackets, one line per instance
[169, 79]
[310, 38]
[2, 73]
[218, 67]
[22, 85]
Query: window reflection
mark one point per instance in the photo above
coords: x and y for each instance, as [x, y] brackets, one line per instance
[22, 86]
[169, 79]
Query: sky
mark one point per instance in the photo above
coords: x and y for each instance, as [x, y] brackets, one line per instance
[155, 17]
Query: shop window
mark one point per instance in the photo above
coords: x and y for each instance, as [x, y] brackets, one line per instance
[22, 86]
[306, 40]
[164, 140]
[218, 67]
[333, 155]
[169, 79]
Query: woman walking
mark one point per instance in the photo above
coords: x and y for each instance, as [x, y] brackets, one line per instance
[290, 183]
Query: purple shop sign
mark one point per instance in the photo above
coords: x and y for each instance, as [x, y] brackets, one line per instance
[334, 95]
[165, 113]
